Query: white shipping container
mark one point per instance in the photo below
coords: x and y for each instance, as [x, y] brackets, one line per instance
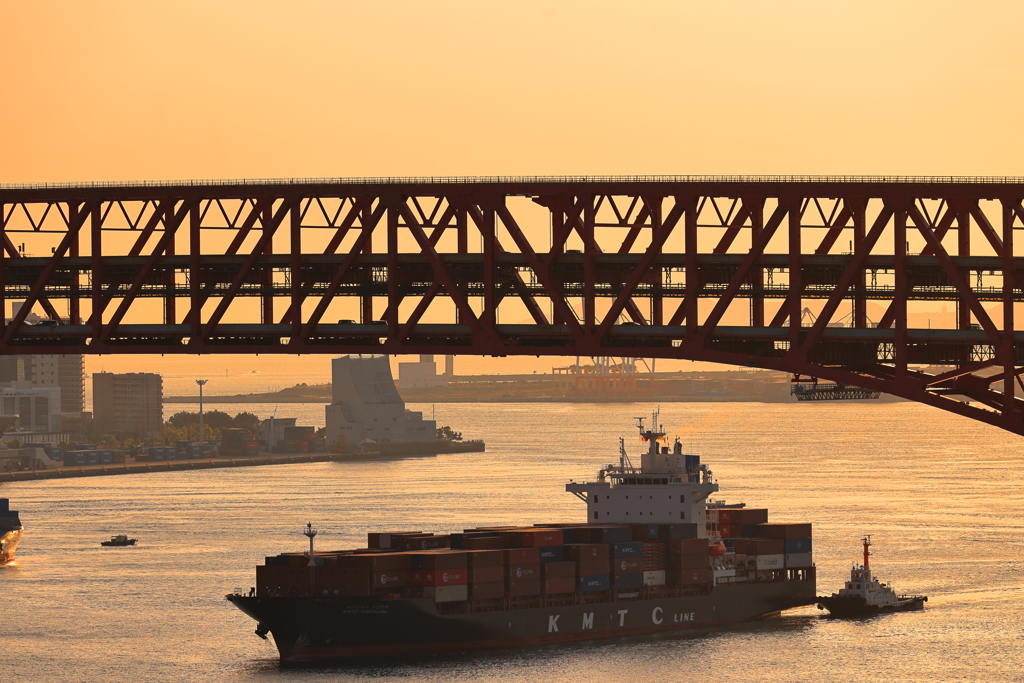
[654, 577]
[720, 573]
[446, 593]
[770, 562]
[796, 560]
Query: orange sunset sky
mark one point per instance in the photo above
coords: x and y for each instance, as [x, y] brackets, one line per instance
[163, 90]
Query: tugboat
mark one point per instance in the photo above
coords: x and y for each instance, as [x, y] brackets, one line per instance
[119, 540]
[864, 595]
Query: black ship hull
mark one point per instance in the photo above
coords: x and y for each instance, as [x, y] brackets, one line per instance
[315, 629]
[856, 606]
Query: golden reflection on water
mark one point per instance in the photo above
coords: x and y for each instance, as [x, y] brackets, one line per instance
[940, 495]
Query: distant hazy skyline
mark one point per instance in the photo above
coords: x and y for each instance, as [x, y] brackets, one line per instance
[161, 90]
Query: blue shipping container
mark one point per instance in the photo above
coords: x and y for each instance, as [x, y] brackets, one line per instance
[631, 549]
[94, 458]
[631, 580]
[107, 458]
[597, 583]
[157, 454]
[552, 553]
[798, 545]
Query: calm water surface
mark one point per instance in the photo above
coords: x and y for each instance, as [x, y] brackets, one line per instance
[941, 495]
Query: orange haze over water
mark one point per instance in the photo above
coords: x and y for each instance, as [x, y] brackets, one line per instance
[186, 89]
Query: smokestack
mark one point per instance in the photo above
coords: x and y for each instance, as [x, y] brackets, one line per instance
[449, 366]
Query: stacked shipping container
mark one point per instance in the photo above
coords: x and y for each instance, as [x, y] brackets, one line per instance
[499, 567]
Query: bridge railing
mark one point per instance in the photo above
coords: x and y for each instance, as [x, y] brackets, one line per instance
[522, 180]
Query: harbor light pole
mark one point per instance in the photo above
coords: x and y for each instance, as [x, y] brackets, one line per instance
[201, 382]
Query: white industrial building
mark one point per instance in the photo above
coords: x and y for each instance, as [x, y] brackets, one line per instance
[421, 374]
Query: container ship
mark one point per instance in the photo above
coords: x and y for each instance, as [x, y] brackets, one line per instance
[654, 554]
[10, 531]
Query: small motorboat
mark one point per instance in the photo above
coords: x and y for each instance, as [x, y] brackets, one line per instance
[119, 540]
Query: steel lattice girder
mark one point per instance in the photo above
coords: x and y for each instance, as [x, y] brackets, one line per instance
[427, 265]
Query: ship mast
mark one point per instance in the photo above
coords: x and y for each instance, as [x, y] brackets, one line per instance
[310, 532]
[867, 544]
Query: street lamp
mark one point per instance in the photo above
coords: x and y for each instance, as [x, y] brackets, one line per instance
[201, 382]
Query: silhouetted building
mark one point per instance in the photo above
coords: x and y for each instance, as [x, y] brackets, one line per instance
[129, 403]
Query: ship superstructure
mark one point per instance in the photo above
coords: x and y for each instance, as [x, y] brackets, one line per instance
[10, 531]
[667, 487]
[653, 554]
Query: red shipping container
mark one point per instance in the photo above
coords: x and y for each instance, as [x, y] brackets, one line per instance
[376, 561]
[485, 558]
[391, 579]
[487, 574]
[752, 516]
[688, 545]
[522, 556]
[520, 589]
[522, 572]
[760, 546]
[483, 543]
[438, 577]
[559, 570]
[743, 516]
[688, 561]
[689, 577]
[560, 585]
[587, 551]
[487, 591]
[376, 539]
[727, 531]
[786, 530]
[627, 565]
[427, 542]
[440, 559]
[540, 538]
[592, 568]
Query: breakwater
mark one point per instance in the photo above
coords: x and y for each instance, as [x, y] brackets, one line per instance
[217, 463]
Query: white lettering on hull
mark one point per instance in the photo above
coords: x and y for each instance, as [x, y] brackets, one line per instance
[684, 617]
[622, 616]
[656, 615]
[553, 623]
[588, 620]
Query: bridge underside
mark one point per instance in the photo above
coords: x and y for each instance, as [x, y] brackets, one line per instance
[816, 276]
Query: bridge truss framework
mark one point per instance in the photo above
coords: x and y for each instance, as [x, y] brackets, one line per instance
[702, 268]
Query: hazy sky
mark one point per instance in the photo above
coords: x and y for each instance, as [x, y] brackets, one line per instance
[161, 90]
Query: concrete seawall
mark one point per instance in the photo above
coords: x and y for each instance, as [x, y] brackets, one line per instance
[217, 463]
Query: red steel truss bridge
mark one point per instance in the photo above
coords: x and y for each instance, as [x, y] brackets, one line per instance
[709, 268]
